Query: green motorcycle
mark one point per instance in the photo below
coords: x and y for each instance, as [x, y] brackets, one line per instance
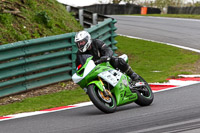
[108, 88]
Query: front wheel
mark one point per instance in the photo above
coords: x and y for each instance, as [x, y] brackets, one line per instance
[145, 94]
[107, 104]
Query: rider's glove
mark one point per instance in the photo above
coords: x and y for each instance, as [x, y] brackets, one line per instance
[103, 59]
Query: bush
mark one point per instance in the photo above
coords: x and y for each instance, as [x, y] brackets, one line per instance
[43, 18]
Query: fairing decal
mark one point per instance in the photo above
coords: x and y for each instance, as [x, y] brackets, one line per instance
[111, 76]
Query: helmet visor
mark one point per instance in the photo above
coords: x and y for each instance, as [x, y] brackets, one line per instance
[82, 43]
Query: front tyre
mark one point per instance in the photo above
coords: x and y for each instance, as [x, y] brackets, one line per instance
[107, 104]
[145, 94]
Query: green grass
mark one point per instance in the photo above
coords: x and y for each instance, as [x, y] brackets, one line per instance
[192, 16]
[144, 57]
[62, 98]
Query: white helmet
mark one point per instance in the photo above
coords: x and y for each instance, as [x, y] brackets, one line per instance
[83, 40]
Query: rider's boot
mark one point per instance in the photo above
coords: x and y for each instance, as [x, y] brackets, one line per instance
[124, 67]
[132, 74]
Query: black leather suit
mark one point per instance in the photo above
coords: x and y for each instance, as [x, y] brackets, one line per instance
[100, 49]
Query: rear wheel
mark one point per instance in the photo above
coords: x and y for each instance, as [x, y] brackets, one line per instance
[145, 94]
[105, 103]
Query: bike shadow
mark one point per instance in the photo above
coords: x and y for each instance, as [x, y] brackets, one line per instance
[94, 111]
[128, 107]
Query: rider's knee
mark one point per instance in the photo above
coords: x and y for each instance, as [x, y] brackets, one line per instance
[123, 66]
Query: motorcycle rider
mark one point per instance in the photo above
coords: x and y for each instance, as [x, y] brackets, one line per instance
[100, 52]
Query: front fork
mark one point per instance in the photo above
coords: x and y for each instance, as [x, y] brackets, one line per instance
[105, 91]
[99, 83]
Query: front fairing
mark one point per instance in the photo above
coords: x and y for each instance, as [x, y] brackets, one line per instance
[90, 72]
[84, 71]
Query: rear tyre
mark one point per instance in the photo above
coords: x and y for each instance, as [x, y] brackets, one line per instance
[107, 104]
[145, 94]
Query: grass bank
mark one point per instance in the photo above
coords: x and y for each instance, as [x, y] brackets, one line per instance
[145, 58]
[29, 19]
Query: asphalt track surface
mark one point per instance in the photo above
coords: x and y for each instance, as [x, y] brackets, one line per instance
[184, 32]
[173, 111]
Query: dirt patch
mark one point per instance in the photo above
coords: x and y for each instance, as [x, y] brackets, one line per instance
[194, 68]
[189, 68]
[68, 85]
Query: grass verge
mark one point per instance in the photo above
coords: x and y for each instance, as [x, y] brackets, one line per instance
[191, 16]
[62, 98]
[155, 61]
[145, 57]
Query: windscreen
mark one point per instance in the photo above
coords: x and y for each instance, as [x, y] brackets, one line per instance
[83, 57]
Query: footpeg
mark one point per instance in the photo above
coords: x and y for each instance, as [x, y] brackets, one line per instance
[139, 84]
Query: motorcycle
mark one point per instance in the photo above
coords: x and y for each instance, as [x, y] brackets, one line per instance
[109, 88]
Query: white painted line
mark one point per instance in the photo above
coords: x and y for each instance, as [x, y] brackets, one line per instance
[83, 104]
[171, 18]
[166, 89]
[172, 88]
[189, 76]
[27, 114]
